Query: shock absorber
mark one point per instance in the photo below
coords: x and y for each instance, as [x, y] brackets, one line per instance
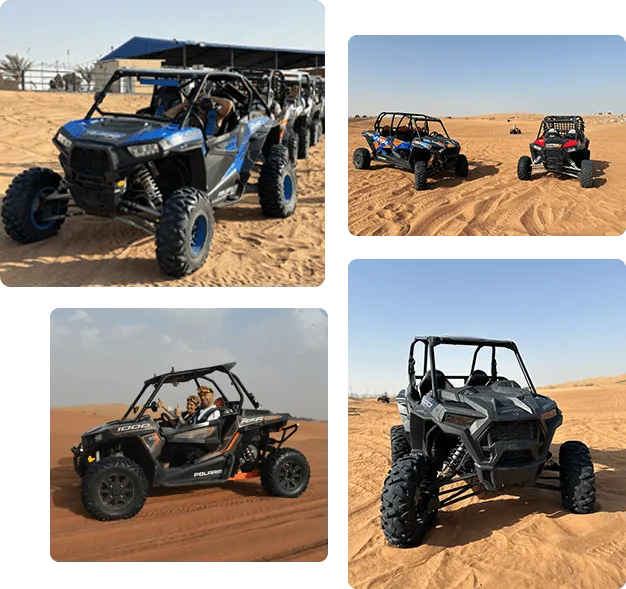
[456, 458]
[149, 186]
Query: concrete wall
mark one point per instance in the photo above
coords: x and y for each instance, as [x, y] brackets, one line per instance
[105, 69]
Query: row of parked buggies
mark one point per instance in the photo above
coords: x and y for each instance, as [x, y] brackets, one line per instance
[165, 173]
[420, 144]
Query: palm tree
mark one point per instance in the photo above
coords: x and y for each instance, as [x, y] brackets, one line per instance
[87, 73]
[15, 66]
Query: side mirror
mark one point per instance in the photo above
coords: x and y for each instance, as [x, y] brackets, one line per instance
[154, 406]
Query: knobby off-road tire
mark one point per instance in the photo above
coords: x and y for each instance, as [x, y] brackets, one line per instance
[105, 478]
[461, 166]
[578, 481]
[421, 174]
[362, 158]
[185, 232]
[586, 174]
[399, 444]
[285, 472]
[293, 143]
[278, 184]
[22, 212]
[303, 141]
[524, 168]
[314, 134]
[404, 517]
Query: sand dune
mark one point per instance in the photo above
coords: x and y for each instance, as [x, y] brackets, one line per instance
[248, 249]
[234, 522]
[519, 541]
[492, 201]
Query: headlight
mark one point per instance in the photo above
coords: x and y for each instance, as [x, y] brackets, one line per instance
[63, 140]
[549, 414]
[538, 147]
[462, 420]
[144, 150]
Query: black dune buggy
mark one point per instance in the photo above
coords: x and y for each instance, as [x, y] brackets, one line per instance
[414, 142]
[162, 175]
[515, 131]
[486, 434]
[121, 460]
[561, 147]
[384, 398]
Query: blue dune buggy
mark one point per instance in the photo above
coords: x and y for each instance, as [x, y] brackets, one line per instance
[160, 170]
[413, 142]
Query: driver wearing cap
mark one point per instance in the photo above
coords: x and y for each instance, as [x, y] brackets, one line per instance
[208, 410]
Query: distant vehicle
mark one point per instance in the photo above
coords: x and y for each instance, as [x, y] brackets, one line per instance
[562, 148]
[515, 130]
[413, 142]
[384, 398]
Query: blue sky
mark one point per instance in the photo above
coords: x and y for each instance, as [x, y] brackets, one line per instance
[468, 75]
[100, 356]
[567, 317]
[51, 28]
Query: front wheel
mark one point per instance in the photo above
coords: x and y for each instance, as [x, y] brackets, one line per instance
[285, 472]
[278, 184]
[461, 167]
[406, 515]
[578, 481]
[400, 446]
[524, 168]
[25, 210]
[293, 143]
[361, 158]
[421, 174]
[114, 488]
[185, 232]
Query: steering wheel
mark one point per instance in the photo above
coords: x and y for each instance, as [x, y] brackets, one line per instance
[167, 420]
[195, 120]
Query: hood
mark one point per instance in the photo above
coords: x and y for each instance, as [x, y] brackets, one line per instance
[121, 131]
[436, 142]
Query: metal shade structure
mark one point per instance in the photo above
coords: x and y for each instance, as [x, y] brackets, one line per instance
[215, 55]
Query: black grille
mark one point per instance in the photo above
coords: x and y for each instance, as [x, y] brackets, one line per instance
[90, 162]
[516, 458]
[514, 430]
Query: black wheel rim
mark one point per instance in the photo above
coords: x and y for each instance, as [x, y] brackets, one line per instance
[290, 475]
[116, 490]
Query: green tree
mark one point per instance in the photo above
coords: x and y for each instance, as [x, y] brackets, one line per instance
[87, 73]
[14, 67]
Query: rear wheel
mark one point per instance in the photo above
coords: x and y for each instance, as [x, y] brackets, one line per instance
[285, 472]
[578, 481]
[399, 444]
[361, 158]
[586, 174]
[114, 488]
[405, 514]
[524, 168]
[292, 147]
[303, 141]
[421, 174]
[278, 184]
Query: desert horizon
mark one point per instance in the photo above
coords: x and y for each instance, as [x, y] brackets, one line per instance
[525, 532]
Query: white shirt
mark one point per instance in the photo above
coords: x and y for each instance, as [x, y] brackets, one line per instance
[214, 416]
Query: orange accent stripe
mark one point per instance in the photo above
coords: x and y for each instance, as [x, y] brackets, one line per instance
[246, 475]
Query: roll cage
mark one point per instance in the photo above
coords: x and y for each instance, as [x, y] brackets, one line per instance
[267, 82]
[300, 80]
[413, 120]
[196, 375]
[191, 83]
[562, 124]
[429, 364]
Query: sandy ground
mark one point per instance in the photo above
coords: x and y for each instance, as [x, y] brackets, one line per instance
[248, 249]
[235, 522]
[520, 541]
[491, 201]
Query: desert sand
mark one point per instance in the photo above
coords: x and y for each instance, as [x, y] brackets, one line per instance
[233, 522]
[520, 541]
[491, 200]
[248, 249]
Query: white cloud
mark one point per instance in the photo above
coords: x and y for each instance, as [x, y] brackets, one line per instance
[80, 315]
